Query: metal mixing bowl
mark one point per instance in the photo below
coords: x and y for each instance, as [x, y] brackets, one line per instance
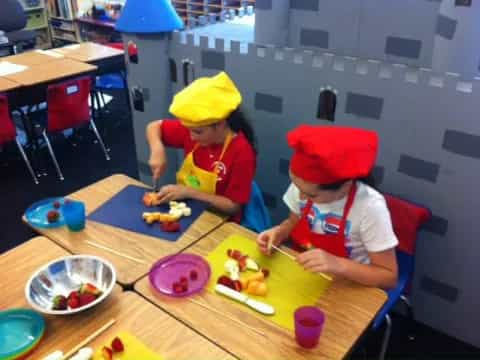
[67, 274]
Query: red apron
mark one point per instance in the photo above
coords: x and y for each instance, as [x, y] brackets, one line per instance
[335, 244]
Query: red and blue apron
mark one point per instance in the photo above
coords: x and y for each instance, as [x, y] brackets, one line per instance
[304, 238]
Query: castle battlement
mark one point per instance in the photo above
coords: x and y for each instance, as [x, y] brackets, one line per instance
[318, 60]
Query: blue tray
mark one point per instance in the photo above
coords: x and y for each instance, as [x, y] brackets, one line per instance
[125, 209]
[36, 214]
[20, 331]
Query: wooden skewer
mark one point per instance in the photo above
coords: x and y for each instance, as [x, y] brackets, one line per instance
[228, 317]
[325, 276]
[115, 252]
[88, 339]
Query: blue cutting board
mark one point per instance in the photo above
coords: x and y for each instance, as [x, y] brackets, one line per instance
[125, 209]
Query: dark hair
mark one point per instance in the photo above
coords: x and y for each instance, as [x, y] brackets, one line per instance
[368, 180]
[237, 122]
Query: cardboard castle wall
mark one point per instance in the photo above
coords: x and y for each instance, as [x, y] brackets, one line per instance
[429, 143]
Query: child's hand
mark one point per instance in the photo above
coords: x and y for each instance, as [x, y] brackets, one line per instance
[158, 163]
[319, 261]
[267, 237]
[173, 192]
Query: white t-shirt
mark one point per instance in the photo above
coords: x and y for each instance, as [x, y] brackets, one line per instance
[368, 228]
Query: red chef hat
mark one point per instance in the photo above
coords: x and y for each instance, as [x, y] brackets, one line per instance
[326, 154]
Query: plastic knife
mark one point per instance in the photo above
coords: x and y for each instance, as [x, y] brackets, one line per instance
[242, 298]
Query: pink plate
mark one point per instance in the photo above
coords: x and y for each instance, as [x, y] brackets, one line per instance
[168, 270]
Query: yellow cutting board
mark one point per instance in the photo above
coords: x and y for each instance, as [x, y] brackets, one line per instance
[134, 349]
[289, 285]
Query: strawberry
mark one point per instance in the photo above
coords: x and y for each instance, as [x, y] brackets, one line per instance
[242, 263]
[183, 280]
[56, 204]
[226, 281]
[73, 302]
[117, 345]
[184, 287]
[193, 275]
[89, 288]
[53, 216]
[86, 299]
[236, 254]
[107, 353]
[59, 303]
[177, 288]
[237, 285]
[265, 272]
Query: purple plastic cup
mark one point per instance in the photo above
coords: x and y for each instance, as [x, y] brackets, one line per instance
[308, 325]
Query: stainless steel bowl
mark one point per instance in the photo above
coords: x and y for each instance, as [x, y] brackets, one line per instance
[67, 274]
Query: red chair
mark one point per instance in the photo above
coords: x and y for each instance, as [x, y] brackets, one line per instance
[407, 219]
[8, 133]
[67, 108]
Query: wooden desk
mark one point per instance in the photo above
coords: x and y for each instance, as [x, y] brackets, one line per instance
[130, 243]
[349, 310]
[7, 85]
[89, 52]
[33, 58]
[52, 71]
[19, 263]
[160, 332]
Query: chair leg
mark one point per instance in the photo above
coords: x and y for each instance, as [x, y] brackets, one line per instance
[410, 316]
[27, 162]
[94, 128]
[386, 337]
[52, 155]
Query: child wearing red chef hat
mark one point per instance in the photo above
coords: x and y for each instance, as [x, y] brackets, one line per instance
[341, 225]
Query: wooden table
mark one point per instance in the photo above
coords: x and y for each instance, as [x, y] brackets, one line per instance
[139, 246]
[89, 52]
[7, 85]
[51, 71]
[32, 58]
[156, 329]
[349, 310]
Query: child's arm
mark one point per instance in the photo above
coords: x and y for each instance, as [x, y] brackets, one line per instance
[277, 234]
[381, 272]
[158, 157]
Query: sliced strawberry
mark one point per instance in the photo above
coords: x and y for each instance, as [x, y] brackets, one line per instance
[56, 204]
[107, 353]
[183, 280]
[117, 345]
[226, 281]
[242, 263]
[90, 289]
[53, 216]
[193, 275]
[236, 254]
[59, 303]
[73, 302]
[184, 286]
[237, 285]
[86, 299]
[265, 272]
[177, 288]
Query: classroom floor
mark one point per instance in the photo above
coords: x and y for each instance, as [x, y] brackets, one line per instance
[17, 192]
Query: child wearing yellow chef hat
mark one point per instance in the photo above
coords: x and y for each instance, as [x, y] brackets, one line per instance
[218, 144]
[340, 224]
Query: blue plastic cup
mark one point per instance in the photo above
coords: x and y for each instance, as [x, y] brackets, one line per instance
[74, 215]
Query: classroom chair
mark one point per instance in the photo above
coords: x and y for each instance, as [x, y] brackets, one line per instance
[67, 108]
[255, 214]
[13, 21]
[8, 133]
[407, 219]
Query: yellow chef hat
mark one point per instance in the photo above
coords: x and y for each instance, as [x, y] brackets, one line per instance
[206, 101]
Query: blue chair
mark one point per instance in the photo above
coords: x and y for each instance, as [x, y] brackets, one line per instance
[407, 219]
[255, 214]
